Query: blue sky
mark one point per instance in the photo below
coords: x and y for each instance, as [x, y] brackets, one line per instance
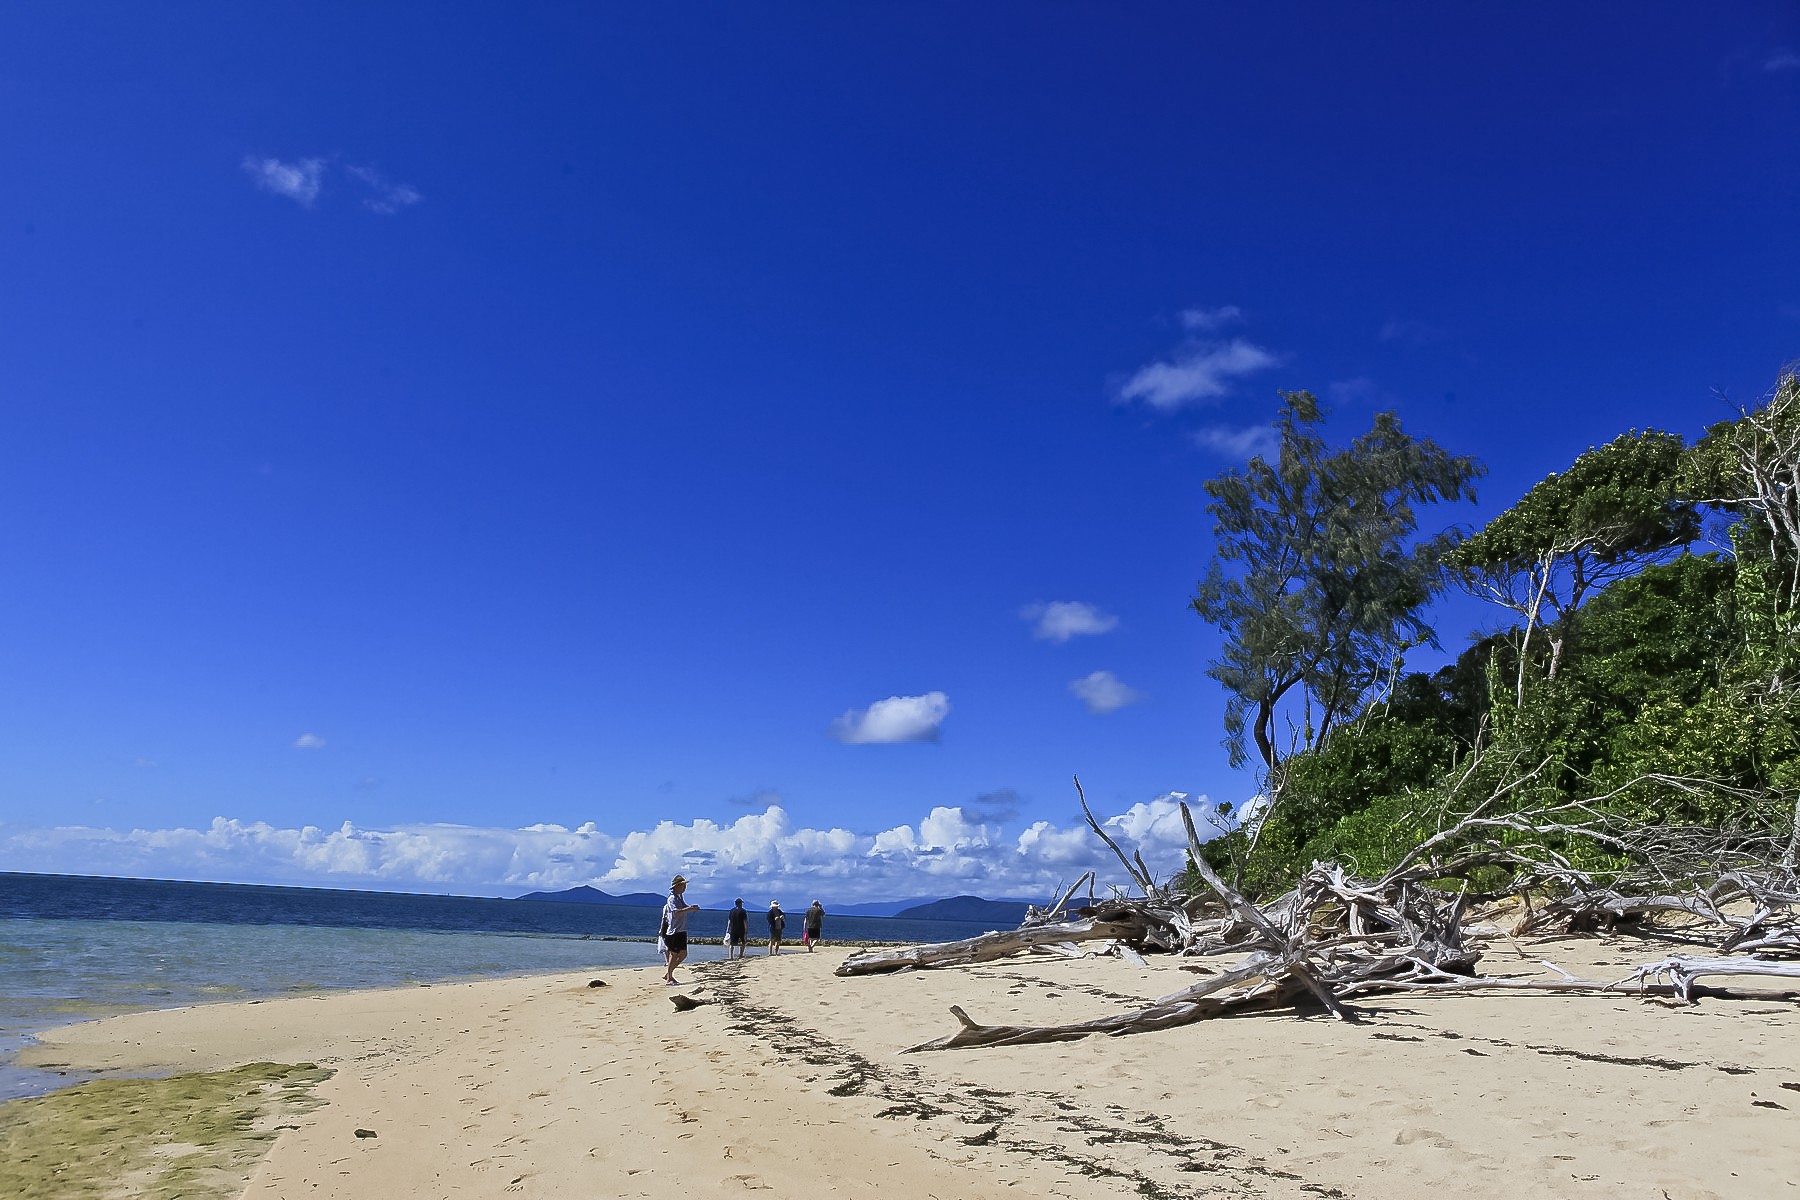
[457, 449]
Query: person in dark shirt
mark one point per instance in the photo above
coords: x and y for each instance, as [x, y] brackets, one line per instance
[812, 924]
[737, 930]
[777, 922]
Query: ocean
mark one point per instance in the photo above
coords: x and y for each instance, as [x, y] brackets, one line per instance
[75, 948]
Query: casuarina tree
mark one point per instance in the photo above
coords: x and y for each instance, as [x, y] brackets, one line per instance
[1320, 581]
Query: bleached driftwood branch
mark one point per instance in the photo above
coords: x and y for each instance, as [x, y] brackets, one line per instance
[1334, 936]
[988, 946]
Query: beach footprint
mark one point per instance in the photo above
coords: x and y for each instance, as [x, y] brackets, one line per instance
[751, 1183]
[1431, 1137]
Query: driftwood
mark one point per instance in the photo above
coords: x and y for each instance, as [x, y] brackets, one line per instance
[1140, 874]
[988, 946]
[1682, 971]
[1334, 936]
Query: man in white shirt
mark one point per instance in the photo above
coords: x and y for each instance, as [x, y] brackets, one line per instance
[671, 938]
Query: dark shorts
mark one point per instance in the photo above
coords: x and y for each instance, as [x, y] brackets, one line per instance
[676, 942]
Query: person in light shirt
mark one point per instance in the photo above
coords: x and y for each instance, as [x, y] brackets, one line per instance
[671, 936]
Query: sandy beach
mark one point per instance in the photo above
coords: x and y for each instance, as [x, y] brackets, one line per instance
[791, 1080]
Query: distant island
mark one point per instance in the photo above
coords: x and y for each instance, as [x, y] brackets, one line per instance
[968, 908]
[1006, 913]
[588, 895]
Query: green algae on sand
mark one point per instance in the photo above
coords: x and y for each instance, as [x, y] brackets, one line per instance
[193, 1135]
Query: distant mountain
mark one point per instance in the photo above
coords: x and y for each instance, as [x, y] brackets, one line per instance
[999, 913]
[969, 908]
[588, 895]
[881, 908]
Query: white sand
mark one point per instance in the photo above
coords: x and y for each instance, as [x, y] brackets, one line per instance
[791, 1080]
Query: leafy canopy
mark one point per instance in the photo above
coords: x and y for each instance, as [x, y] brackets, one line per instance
[1319, 583]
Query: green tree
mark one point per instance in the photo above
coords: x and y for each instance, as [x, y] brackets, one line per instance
[1319, 582]
[1616, 509]
[1751, 467]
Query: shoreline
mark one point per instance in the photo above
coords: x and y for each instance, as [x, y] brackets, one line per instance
[29, 1020]
[790, 1078]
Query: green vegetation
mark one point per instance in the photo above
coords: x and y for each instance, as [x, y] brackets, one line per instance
[187, 1136]
[1648, 683]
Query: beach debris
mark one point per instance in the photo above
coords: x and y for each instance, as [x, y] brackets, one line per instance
[594, 983]
[1682, 970]
[685, 1003]
[1002, 944]
[366, 1133]
[1335, 936]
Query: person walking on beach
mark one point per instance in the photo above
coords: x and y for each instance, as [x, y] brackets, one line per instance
[811, 925]
[777, 922]
[671, 936]
[737, 930]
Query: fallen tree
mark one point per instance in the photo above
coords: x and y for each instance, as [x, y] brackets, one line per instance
[1334, 936]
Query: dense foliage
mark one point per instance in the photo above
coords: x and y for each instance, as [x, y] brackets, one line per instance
[1661, 684]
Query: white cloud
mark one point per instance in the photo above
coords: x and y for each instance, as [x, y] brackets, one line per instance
[1242, 443]
[1782, 59]
[431, 856]
[386, 197]
[949, 851]
[1196, 371]
[298, 181]
[896, 719]
[1060, 620]
[1207, 320]
[953, 827]
[1103, 692]
[309, 741]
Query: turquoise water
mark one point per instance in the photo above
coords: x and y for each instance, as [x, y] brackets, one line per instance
[75, 948]
[53, 972]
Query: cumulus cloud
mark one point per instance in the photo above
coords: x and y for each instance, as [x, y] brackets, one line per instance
[385, 196]
[1208, 320]
[1198, 370]
[299, 181]
[896, 719]
[1240, 442]
[309, 741]
[1060, 620]
[950, 850]
[1103, 692]
[432, 857]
